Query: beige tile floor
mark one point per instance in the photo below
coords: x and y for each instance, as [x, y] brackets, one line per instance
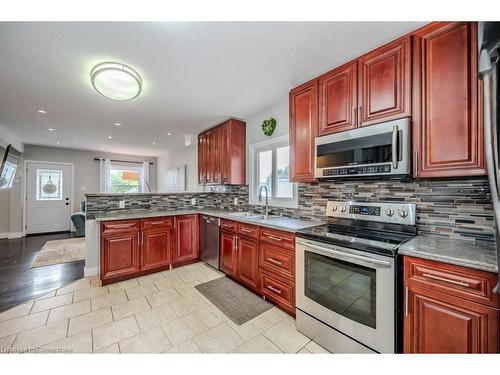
[158, 313]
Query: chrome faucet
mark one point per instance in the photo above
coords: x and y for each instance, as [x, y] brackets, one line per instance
[266, 216]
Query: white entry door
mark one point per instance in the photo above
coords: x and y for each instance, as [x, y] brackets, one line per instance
[48, 197]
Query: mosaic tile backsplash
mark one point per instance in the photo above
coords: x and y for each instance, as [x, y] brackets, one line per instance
[459, 208]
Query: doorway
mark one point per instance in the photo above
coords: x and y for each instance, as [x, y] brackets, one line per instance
[49, 189]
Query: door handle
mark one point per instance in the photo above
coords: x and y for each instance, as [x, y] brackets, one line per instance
[395, 147]
[275, 290]
[67, 204]
[67, 199]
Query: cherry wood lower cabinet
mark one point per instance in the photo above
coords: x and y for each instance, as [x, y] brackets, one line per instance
[131, 248]
[120, 255]
[449, 309]
[187, 239]
[248, 262]
[228, 255]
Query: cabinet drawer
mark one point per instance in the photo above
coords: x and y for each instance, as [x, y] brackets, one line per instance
[277, 259]
[119, 226]
[159, 223]
[230, 226]
[470, 284]
[248, 230]
[278, 237]
[278, 291]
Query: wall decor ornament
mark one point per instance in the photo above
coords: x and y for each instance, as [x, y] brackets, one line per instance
[268, 126]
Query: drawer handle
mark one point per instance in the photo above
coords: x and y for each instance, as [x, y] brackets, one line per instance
[246, 230]
[461, 283]
[274, 238]
[157, 222]
[275, 290]
[228, 225]
[120, 226]
[274, 261]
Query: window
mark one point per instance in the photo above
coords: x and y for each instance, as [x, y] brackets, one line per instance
[125, 179]
[49, 184]
[269, 167]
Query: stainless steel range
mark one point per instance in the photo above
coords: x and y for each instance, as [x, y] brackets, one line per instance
[347, 273]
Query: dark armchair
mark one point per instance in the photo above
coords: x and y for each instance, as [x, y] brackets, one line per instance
[78, 219]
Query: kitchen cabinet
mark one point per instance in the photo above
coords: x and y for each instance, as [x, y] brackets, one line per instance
[449, 309]
[187, 239]
[384, 91]
[222, 154]
[303, 103]
[156, 243]
[447, 122]
[119, 254]
[338, 102]
[248, 261]
[228, 255]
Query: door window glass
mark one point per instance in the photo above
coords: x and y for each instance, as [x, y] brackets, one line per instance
[345, 288]
[49, 184]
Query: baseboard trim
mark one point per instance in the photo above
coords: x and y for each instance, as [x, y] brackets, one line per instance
[4, 235]
[90, 271]
[12, 235]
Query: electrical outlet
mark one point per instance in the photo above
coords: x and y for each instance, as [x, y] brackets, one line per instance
[193, 201]
[121, 204]
[235, 201]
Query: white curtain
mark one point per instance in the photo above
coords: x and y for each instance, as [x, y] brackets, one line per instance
[105, 168]
[145, 188]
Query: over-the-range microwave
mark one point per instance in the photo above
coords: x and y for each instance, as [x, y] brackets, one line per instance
[382, 150]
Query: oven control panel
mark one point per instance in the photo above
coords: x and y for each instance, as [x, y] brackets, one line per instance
[397, 213]
[367, 170]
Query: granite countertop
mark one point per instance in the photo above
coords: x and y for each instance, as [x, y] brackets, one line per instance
[277, 222]
[477, 255]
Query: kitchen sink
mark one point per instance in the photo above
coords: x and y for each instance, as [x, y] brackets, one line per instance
[247, 215]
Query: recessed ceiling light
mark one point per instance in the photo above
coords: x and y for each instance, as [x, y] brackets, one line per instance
[42, 111]
[154, 143]
[117, 124]
[169, 133]
[110, 137]
[116, 81]
[51, 129]
[58, 143]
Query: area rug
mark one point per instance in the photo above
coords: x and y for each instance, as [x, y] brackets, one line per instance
[238, 303]
[60, 251]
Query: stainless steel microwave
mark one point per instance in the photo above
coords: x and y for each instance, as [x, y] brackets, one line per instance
[378, 150]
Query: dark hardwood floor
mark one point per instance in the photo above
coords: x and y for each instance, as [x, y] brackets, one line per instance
[20, 283]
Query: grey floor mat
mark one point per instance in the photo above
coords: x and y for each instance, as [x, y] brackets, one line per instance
[238, 303]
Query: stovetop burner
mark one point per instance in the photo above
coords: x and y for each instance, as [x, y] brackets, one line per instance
[372, 227]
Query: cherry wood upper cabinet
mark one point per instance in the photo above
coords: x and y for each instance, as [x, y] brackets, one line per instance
[187, 244]
[384, 83]
[303, 130]
[338, 99]
[447, 129]
[222, 154]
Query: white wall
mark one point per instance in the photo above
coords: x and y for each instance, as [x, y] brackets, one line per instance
[189, 155]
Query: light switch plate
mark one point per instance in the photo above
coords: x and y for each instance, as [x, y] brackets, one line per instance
[193, 201]
[235, 201]
[121, 204]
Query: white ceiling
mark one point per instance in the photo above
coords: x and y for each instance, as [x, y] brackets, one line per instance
[194, 74]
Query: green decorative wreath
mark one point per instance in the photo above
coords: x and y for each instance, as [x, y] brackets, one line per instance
[268, 126]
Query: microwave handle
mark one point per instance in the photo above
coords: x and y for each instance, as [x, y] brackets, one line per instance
[395, 147]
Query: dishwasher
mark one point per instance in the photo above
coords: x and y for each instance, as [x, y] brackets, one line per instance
[210, 240]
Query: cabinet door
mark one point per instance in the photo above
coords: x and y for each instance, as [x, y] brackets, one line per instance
[119, 251]
[186, 238]
[208, 157]
[216, 156]
[248, 262]
[438, 323]
[384, 83]
[202, 172]
[156, 249]
[303, 129]
[228, 254]
[225, 157]
[447, 131]
[338, 99]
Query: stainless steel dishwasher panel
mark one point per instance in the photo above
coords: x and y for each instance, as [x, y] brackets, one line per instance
[210, 240]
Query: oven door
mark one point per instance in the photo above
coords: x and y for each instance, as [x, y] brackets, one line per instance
[349, 290]
[377, 150]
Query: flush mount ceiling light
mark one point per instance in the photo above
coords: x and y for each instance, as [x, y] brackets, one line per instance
[116, 81]
[42, 111]
[117, 124]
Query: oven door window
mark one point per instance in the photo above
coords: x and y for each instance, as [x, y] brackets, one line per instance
[345, 288]
[365, 150]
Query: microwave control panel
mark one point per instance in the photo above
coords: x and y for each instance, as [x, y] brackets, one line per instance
[376, 169]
